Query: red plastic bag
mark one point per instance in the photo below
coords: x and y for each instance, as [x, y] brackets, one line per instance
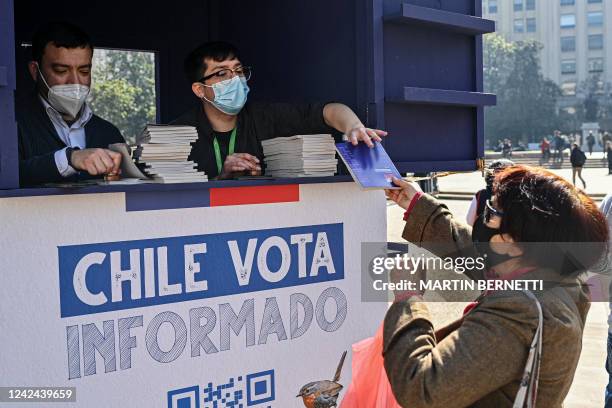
[370, 386]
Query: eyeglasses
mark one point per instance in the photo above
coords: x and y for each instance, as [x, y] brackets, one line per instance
[227, 73]
[489, 211]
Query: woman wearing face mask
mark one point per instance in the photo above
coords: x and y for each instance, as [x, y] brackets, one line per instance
[512, 348]
[477, 205]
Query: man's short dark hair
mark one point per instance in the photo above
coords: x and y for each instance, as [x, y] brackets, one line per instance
[195, 64]
[62, 35]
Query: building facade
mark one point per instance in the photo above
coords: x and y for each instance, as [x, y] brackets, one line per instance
[576, 35]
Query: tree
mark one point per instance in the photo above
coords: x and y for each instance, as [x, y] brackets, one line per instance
[595, 101]
[497, 62]
[115, 101]
[589, 93]
[526, 101]
[605, 107]
[123, 90]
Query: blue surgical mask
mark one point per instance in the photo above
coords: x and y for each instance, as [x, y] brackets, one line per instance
[230, 95]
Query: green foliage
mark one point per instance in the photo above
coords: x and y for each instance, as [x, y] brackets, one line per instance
[605, 107]
[497, 59]
[123, 90]
[526, 101]
[595, 101]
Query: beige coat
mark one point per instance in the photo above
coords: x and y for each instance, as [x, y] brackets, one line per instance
[480, 364]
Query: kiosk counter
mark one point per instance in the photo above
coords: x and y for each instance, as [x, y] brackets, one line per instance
[234, 293]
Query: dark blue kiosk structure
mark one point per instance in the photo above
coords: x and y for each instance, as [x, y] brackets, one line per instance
[413, 67]
[241, 291]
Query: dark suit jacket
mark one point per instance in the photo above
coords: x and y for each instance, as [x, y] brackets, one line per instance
[38, 141]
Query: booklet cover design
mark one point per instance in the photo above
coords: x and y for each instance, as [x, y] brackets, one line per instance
[371, 168]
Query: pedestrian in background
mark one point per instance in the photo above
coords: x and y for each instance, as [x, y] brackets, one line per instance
[578, 159]
[507, 148]
[604, 267]
[559, 147]
[590, 142]
[605, 139]
[545, 148]
[608, 152]
[480, 198]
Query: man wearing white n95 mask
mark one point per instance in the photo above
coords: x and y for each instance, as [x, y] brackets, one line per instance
[60, 139]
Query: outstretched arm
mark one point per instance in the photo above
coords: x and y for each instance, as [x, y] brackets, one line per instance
[343, 119]
[430, 225]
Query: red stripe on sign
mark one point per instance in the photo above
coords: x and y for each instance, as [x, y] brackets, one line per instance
[254, 195]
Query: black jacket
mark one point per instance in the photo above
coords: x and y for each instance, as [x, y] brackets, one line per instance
[256, 122]
[577, 158]
[38, 141]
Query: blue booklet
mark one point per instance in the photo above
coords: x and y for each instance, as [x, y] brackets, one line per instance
[371, 168]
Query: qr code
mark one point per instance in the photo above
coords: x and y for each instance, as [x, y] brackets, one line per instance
[251, 390]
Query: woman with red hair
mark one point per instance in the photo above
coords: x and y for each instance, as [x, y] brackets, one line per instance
[513, 348]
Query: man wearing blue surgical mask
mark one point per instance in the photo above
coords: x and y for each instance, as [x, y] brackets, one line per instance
[230, 130]
[60, 139]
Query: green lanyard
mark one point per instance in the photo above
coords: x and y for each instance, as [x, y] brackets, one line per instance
[230, 151]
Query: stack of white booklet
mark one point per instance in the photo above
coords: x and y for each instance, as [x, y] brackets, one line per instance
[300, 156]
[163, 150]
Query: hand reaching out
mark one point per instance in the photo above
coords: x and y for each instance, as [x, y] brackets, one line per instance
[403, 196]
[361, 133]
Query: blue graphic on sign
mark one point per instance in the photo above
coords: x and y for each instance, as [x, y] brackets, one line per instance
[110, 276]
[184, 398]
[258, 388]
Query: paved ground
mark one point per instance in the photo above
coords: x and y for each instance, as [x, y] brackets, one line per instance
[598, 181]
[591, 377]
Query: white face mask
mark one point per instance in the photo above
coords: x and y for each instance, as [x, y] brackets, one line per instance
[67, 99]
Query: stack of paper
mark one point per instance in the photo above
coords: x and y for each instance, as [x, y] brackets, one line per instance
[300, 156]
[163, 151]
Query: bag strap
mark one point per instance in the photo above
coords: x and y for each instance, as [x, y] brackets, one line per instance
[528, 390]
